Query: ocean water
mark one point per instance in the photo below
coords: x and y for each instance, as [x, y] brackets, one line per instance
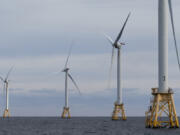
[78, 126]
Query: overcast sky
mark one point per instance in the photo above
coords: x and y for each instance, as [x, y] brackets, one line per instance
[35, 37]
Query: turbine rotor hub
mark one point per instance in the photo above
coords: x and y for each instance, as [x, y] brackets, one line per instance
[118, 45]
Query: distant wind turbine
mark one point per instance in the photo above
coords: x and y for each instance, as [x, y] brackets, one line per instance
[6, 86]
[66, 110]
[119, 107]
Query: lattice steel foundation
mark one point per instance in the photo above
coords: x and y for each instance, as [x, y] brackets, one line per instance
[118, 109]
[6, 113]
[162, 112]
[66, 113]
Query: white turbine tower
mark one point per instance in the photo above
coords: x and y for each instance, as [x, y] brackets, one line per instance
[163, 96]
[6, 85]
[66, 110]
[119, 107]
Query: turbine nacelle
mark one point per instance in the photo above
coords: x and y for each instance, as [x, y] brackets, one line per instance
[65, 70]
[6, 81]
[118, 45]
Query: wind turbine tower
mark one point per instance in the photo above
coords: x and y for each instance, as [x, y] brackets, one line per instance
[118, 106]
[66, 110]
[163, 102]
[6, 84]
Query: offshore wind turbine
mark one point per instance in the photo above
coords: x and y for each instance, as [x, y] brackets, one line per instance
[6, 86]
[163, 102]
[118, 106]
[66, 110]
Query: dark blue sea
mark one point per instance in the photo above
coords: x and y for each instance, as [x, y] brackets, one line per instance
[78, 126]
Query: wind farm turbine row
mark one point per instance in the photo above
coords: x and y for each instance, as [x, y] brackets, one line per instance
[119, 106]
[163, 101]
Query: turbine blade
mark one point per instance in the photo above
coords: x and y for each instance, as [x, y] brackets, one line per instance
[10, 70]
[174, 33]
[68, 55]
[74, 83]
[121, 32]
[109, 39]
[111, 66]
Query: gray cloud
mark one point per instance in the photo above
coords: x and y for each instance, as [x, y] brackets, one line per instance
[44, 28]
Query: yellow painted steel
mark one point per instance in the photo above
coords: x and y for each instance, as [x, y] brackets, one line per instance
[6, 113]
[66, 113]
[118, 109]
[162, 107]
